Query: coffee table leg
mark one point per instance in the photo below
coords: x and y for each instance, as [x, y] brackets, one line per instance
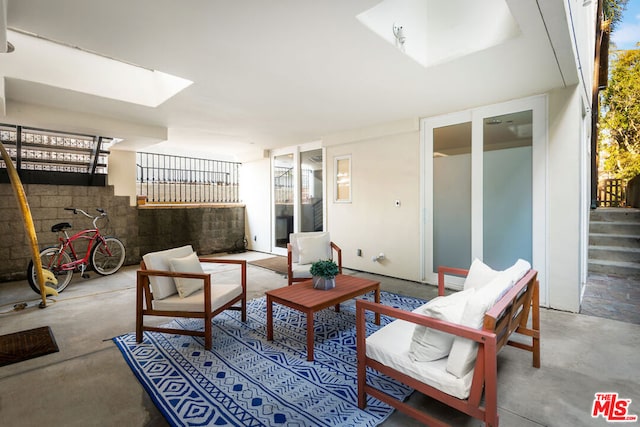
[310, 336]
[377, 302]
[269, 319]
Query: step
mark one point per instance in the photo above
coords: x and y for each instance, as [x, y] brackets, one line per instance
[615, 215]
[615, 253]
[615, 227]
[618, 268]
[605, 239]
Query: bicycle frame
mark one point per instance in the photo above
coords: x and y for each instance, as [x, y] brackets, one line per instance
[67, 243]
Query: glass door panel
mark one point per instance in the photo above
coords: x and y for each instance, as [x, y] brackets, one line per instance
[452, 196]
[507, 189]
[283, 192]
[311, 202]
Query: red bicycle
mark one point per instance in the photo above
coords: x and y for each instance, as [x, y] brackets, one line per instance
[104, 254]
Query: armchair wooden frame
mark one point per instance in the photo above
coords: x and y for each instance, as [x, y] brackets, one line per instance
[510, 314]
[334, 248]
[144, 301]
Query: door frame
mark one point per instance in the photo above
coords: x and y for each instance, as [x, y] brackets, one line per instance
[295, 151]
[538, 106]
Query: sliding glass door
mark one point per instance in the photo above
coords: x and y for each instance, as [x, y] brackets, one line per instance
[481, 196]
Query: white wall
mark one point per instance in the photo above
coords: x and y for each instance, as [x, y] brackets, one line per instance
[122, 174]
[384, 169]
[255, 192]
[564, 199]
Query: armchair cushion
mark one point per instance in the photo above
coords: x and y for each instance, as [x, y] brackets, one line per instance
[314, 248]
[187, 264]
[162, 287]
[295, 246]
[221, 294]
[429, 344]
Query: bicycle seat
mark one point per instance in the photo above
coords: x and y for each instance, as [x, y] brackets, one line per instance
[61, 226]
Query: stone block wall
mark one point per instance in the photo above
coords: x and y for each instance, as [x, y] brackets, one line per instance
[209, 229]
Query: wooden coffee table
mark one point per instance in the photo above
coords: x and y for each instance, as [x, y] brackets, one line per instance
[303, 297]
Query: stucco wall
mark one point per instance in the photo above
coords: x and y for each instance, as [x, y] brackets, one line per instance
[384, 169]
[564, 200]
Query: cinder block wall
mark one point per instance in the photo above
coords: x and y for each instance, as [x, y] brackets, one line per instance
[209, 229]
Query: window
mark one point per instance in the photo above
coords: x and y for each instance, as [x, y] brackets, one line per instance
[343, 179]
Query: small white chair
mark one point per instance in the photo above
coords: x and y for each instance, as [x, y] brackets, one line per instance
[172, 283]
[304, 249]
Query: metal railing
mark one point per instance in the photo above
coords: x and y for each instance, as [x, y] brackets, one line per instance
[163, 178]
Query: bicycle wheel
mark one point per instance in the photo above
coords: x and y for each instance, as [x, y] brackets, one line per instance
[51, 261]
[107, 256]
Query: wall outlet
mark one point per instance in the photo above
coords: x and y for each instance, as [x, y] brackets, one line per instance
[359, 252]
[397, 203]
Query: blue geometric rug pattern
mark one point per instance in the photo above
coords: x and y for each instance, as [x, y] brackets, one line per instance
[246, 380]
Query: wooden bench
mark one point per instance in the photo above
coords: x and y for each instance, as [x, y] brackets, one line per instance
[509, 315]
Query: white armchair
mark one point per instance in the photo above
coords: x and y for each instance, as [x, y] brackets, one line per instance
[304, 249]
[172, 283]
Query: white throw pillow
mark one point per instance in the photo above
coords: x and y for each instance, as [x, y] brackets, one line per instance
[518, 270]
[314, 248]
[479, 275]
[162, 287]
[429, 344]
[464, 351]
[188, 264]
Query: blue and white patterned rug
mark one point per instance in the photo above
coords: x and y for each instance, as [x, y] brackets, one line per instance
[246, 380]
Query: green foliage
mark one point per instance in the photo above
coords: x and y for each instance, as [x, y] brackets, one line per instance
[620, 119]
[324, 268]
[612, 10]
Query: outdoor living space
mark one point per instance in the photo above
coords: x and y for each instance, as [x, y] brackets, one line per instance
[89, 383]
[411, 134]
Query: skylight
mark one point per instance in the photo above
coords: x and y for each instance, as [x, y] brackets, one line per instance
[437, 31]
[46, 62]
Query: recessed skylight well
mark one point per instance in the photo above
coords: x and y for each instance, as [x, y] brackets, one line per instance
[54, 64]
[436, 31]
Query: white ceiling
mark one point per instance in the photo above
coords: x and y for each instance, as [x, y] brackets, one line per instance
[268, 74]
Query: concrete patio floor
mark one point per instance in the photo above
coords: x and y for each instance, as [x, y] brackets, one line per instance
[88, 383]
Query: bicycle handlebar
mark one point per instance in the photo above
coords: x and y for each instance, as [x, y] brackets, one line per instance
[76, 210]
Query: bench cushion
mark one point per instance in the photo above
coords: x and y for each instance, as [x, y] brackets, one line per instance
[463, 351]
[429, 344]
[221, 294]
[162, 287]
[390, 346]
[479, 275]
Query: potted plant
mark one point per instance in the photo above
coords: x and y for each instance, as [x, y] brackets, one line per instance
[324, 274]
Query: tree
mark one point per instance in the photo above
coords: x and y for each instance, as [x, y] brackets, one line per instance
[620, 122]
[612, 11]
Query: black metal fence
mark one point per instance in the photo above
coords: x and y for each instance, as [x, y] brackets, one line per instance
[164, 178]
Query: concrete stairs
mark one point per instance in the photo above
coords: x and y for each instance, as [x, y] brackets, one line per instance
[614, 241]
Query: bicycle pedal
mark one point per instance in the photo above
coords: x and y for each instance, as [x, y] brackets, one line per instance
[85, 276]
